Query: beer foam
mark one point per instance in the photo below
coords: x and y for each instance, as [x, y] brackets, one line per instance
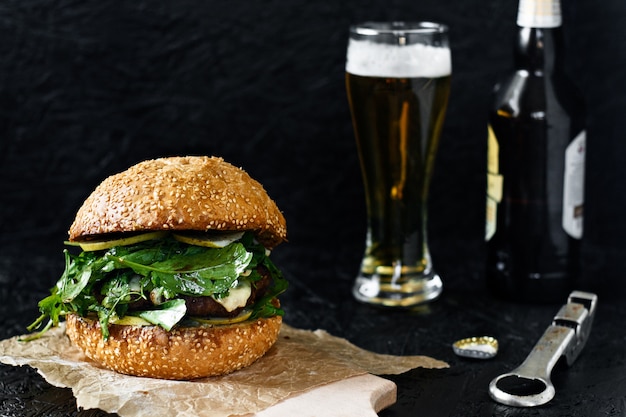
[372, 59]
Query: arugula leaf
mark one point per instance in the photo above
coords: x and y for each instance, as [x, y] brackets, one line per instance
[192, 272]
[72, 282]
[104, 316]
[264, 306]
[122, 288]
[166, 315]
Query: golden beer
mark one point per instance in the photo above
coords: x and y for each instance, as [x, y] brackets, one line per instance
[397, 119]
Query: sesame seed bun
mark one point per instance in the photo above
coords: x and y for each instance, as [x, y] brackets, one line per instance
[180, 193]
[191, 193]
[183, 353]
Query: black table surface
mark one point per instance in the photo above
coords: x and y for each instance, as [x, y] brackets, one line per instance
[89, 88]
[595, 385]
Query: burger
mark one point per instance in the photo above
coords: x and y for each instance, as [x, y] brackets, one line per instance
[170, 276]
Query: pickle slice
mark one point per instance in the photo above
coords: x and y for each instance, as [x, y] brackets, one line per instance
[210, 240]
[243, 316]
[131, 321]
[93, 245]
[213, 321]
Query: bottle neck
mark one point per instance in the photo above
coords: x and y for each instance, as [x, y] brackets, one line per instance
[538, 50]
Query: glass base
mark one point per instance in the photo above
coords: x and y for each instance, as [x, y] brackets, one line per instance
[406, 292]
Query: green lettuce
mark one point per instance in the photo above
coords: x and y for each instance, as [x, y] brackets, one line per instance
[106, 282]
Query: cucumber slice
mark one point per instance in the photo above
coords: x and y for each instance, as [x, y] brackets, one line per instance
[94, 245]
[210, 240]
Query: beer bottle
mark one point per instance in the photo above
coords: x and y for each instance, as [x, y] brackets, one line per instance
[536, 162]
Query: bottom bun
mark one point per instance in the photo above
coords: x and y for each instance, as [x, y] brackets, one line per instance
[182, 353]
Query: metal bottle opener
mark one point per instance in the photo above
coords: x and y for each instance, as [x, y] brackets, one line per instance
[529, 384]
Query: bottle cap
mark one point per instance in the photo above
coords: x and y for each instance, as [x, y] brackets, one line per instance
[539, 13]
[484, 347]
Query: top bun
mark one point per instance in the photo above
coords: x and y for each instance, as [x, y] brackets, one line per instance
[180, 193]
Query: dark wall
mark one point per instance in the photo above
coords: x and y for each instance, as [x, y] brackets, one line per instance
[88, 88]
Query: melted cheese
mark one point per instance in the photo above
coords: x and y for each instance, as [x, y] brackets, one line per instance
[237, 297]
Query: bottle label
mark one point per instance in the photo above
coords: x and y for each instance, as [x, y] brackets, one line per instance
[494, 183]
[539, 13]
[574, 186]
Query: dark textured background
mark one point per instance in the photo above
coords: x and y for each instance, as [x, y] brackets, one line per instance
[88, 88]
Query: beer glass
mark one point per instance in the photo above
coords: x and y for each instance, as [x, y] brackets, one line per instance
[398, 82]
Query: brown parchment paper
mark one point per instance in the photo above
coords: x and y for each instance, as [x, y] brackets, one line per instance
[299, 361]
